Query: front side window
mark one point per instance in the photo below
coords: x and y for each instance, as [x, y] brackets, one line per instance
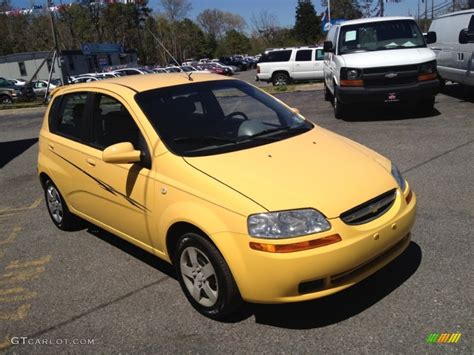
[68, 120]
[217, 116]
[304, 55]
[319, 54]
[112, 124]
[374, 36]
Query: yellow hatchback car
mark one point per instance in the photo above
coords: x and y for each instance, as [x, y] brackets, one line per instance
[246, 198]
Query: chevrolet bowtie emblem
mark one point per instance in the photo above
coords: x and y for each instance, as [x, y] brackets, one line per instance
[391, 75]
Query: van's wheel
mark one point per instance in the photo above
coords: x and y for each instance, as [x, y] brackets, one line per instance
[340, 109]
[57, 208]
[280, 79]
[205, 277]
[6, 100]
[426, 106]
[327, 93]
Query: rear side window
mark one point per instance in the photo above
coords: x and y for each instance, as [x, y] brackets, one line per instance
[276, 56]
[67, 115]
[304, 55]
[319, 54]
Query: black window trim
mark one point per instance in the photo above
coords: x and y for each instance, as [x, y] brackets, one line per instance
[305, 50]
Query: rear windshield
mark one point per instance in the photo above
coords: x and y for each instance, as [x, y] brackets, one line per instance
[218, 116]
[374, 36]
[276, 56]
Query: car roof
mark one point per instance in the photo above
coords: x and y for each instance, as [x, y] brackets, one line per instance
[374, 19]
[140, 83]
[468, 11]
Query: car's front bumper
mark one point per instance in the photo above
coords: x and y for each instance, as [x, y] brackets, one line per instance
[265, 277]
[388, 94]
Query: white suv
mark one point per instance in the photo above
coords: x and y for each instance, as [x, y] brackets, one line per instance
[283, 65]
[379, 60]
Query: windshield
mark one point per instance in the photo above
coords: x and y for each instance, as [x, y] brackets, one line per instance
[218, 116]
[374, 36]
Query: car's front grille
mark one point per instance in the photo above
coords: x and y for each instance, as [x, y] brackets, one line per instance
[390, 76]
[369, 210]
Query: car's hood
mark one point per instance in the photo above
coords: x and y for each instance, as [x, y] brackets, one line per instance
[316, 169]
[390, 57]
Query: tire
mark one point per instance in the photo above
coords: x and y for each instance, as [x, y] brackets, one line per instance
[57, 208]
[205, 277]
[280, 79]
[5, 100]
[327, 93]
[340, 109]
[426, 106]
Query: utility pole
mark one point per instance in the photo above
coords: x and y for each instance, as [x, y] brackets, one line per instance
[432, 9]
[382, 8]
[56, 54]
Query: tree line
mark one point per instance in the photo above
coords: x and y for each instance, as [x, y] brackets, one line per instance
[212, 33]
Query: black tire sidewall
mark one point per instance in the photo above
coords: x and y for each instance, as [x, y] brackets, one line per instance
[228, 298]
[69, 220]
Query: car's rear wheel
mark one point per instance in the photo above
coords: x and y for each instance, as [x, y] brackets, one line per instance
[280, 79]
[6, 100]
[57, 208]
[205, 277]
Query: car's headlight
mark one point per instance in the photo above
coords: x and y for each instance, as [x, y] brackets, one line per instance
[397, 175]
[428, 67]
[287, 224]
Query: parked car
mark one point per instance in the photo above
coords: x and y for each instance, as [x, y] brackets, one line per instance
[235, 62]
[187, 68]
[131, 71]
[381, 60]
[17, 82]
[284, 65]
[84, 79]
[454, 46]
[207, 175]
[10, 94]
[40, 86]
[173, 69]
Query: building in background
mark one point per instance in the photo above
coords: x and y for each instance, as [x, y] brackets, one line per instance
[92, 57]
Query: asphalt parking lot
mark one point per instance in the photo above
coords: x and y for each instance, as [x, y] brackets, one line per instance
[57, 288]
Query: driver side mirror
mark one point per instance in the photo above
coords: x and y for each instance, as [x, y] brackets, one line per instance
[327, 47]
[464, 36]
[121, 153]
[431, 37]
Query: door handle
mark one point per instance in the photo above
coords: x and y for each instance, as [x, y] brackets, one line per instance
[90, 161]
[51, 146]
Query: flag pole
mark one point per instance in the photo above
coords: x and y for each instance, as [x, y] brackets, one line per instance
[329, 11]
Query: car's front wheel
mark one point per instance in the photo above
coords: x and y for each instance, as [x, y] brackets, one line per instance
[205, 277]
[340, 109]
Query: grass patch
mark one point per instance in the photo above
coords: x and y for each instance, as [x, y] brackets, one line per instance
[291, 88]
[22, 105]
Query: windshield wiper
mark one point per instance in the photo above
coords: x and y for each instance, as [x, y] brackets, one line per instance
[204, 139]
[277, 130]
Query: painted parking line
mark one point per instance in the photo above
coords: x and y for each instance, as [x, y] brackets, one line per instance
[6, 211]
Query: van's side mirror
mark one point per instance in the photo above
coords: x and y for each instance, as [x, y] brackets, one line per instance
[464, 36]
[431, 37]
[327, 47]
[121, 153]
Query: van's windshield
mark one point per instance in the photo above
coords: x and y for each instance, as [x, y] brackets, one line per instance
[384, 35]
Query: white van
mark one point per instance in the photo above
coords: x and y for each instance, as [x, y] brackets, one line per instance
[379, 60]
[284, 65]
[454, 46]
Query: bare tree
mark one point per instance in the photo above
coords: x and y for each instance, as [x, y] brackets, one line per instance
[176, 10]
[217, 23]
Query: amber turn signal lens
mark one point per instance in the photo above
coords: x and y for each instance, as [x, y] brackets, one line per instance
[352, 82]
[409, 197]
[424, 77]
[289, 248]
